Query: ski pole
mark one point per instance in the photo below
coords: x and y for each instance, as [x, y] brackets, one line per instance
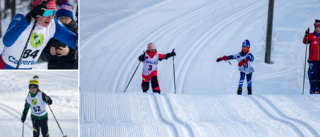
[132, 77]
[57, 121]
[22, 129]
[174, 75]
[24, 49]
[304, 72]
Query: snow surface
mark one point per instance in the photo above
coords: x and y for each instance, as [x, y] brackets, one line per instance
[114, 33]
[61, 86]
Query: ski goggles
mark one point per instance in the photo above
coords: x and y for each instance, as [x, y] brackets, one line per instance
[48, 12]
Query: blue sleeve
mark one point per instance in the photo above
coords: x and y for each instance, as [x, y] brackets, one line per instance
[231, 57]
[64, 35]
[250, 57]
[18, 24]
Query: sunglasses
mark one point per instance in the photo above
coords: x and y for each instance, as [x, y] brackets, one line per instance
[48, 12]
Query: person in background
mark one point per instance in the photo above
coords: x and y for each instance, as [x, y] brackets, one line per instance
[314, 57]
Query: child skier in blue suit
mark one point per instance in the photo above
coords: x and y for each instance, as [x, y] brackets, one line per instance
[245, 59]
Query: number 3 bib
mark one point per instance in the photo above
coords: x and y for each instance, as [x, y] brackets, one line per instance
[150, 64]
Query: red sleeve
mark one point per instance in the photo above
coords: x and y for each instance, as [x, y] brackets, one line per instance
[162, 56]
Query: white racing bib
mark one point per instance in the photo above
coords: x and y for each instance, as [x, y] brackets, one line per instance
[246, 69]
[38, 106]
[150, 64]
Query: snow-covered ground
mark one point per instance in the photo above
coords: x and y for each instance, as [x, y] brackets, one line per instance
[61, 86]
[114, 33]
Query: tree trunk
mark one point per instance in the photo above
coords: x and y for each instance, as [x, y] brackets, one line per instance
[13, 6]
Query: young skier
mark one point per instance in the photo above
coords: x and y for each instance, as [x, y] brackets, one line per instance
[38, 101]
[314, 57]
[245, 59]
[150, 61]
[20, 29]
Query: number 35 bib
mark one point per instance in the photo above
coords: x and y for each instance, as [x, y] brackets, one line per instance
[150, 64]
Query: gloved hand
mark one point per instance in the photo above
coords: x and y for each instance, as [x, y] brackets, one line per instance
[38, 10]
[307, 32]
[23, 118]
[244, 61]
[173, 53]
[168, 55]
[141, 57]
[48, 100]
[222, 58]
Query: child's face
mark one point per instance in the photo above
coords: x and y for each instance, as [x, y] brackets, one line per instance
[33, 90]
[317, 29]
[45, 21]
[152, 50]
[245, 48]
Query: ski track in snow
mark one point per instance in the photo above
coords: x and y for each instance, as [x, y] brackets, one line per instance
[16, 115]
[195, 48]
[307, 129]
[271, 112]
[157, 113]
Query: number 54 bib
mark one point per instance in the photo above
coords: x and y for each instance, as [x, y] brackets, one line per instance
[150, 64]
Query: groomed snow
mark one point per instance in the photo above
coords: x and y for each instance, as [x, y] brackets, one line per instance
[114, 34]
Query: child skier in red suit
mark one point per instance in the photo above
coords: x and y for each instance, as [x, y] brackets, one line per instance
[150, 61]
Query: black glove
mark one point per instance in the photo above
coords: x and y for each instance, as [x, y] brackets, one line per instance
[307, 32]
[141, 57]
[37, 11]
[168, 55]
[23, 118]
[48, 100]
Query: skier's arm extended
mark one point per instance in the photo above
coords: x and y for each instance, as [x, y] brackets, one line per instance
[226, 58]
[166, 56]
[25, 112]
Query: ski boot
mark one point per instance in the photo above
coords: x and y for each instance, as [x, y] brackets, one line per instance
[239, 91]
[249, 90]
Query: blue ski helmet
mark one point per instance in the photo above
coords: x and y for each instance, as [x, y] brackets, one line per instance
[246, 43]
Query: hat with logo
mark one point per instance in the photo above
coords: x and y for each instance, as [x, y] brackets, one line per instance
[317, 23]
[246, 43]
[65, 10]
[151, 46]
[51, 4]
[34, 83]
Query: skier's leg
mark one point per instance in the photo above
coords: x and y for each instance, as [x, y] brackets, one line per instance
[318, 76]
[311, 92]
[155, 84]
[36, 128]
[313, 76]
[249, 82]
[44, 127]
[242, 76]
[145, 83]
